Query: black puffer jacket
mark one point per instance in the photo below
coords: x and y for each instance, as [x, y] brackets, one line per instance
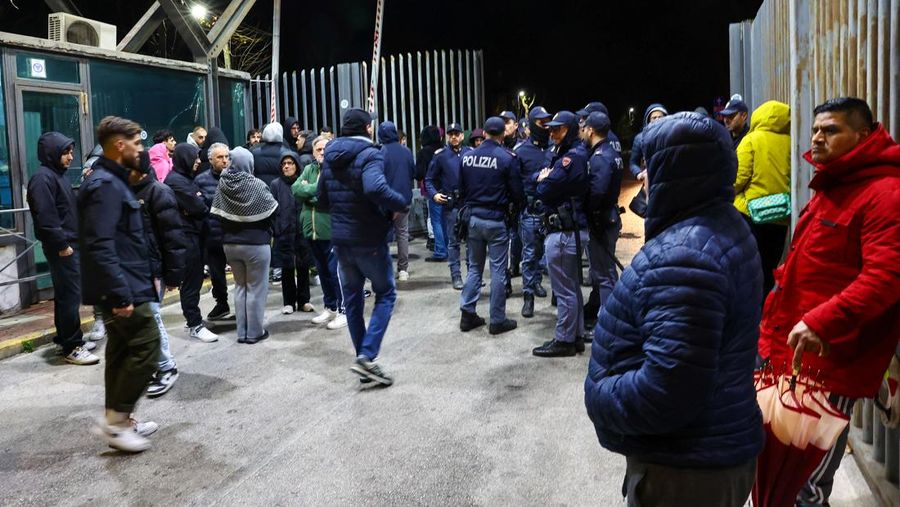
[163, 228]
[208, 181]
[115, 264]
[51, 197]
[267, 154]
[285, 220]
[191, 204]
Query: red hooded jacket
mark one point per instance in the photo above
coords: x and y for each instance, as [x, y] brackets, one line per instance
[842, 273]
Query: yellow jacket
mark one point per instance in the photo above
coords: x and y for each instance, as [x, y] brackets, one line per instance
[764, 155]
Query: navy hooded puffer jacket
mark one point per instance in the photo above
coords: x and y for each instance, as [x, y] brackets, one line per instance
[671, 374]
[399, 167]
[352, 185]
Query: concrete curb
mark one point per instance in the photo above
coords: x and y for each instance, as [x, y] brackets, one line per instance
[32, 341]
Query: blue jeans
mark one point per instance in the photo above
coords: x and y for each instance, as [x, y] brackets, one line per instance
[326, 266]
[604, 273]
[448, 220]
[563, 264]
[166, 361]
[486, 237]
[355, 265]
[435, 211]
[532, 251]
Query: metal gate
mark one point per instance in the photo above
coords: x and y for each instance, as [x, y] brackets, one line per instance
[415, 90]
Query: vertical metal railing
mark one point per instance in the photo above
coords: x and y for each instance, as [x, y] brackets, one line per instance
[433, 87]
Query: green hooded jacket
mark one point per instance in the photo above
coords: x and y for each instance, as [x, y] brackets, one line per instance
[316, 223]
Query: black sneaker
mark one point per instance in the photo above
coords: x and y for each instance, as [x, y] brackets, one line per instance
[469, 321]
[555, 349]
[435, 259]
[368, 369]
[258, 339]
[430, 244]
[579, 345]
[540, 291]
[162, 383]
[502, 327]
[219, 312]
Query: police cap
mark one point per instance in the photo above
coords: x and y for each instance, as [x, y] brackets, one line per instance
[494, 126]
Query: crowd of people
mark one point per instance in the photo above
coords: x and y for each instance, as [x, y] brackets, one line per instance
[675, 340]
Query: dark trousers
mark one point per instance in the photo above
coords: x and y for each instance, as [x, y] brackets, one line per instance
[65, 272]
[295, 258]
[215, 259]
[193, 280]
[132, 355]
[770, 239]
[817, 489]
[649, 484]
[326, 266]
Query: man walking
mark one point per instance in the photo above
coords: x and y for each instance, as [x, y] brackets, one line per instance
[352, 185]
[116, 277]
[488, 182]
[836, 305]
[399, 169]
[442, 183]
[51, 200]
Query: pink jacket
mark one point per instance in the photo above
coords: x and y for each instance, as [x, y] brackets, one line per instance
[160, 161]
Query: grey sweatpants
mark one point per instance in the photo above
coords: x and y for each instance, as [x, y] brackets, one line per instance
[250, 267]
[401, 233]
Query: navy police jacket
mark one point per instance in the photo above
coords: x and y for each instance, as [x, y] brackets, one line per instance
[489, 180]
[115, 258]
[534, 157]
[352, 185]
[670, 379]
[443, 172]
[605, 172]
[567, 182]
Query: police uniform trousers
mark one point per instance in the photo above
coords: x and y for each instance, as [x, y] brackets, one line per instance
[448, 222]
[604, 273]
[532, 250]
[487, 238]
[564, 266]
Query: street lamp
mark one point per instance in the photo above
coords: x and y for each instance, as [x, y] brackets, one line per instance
[198, 11]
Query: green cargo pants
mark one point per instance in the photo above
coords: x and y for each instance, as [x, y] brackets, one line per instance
[132, 355]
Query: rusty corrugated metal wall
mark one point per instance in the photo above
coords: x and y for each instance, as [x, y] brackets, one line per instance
[803, 52]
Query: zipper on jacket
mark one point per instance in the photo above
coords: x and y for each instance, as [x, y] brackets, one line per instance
[314, 224]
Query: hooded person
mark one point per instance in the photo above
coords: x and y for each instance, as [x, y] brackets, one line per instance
[54, 210]
[362, 203]
[291, 250]
[399, 169]
[675, 346]
[637, 162]
[160, 161]
[291, 133]
[244, 206]
[267, 154]
[194, 209]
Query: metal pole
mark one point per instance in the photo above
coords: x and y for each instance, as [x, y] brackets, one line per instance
[444, 100]
[314, 124]
[402, 125]
[481, 79]
[470, 114]
[294, 86]
[394, 92]
[437, 91]
[303, 101]
[276, 48]
[284, 96]
[419, 82]
[411, 133]
[323, 95]
[384, 100]
[376, 53]
[453, 87]
[334, 103]
[428, 84]
[460, 89]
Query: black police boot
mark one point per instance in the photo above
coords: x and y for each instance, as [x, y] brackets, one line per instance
[506, 325]
[430, 244]
[469, 321]
[555, 349]
[553, 299]
[540, 291]
[508, 284]
[457, 282]
[528, 306]
[515, 271]
[579, 345]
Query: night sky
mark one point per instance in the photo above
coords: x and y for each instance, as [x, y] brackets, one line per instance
[625, 53]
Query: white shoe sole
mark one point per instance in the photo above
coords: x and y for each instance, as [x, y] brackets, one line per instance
[118, 445]
[363, 373]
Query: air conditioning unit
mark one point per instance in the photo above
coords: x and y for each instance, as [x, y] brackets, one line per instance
[65, 27]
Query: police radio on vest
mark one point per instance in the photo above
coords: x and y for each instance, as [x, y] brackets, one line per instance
[481, 162]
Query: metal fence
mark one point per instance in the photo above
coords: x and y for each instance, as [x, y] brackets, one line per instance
[803, 52]
[415, 90]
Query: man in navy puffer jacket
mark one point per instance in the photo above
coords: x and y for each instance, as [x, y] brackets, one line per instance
[362, 203]
[670, 383]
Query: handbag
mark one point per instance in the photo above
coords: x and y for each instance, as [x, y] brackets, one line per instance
[769, 208]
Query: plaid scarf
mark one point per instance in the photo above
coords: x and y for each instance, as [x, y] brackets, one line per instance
[241, 197]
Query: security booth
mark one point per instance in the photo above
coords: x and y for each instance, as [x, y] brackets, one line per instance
[48, 85]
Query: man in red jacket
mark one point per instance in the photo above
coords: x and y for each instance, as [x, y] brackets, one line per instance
[835, 305]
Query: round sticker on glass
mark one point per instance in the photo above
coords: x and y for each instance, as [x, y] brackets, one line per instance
[143, 135]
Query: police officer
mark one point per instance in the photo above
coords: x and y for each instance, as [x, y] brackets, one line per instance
[489, 181]
[511, 141]
[442, 184]
[563, 188]
[599, 107]
[534, 156]
[510, 126]
[605, 176]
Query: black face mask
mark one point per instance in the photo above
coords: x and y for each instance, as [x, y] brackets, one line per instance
[539, 134]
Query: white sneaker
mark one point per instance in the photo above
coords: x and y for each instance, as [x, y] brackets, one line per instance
[324, 317]
[204, 335]
[89, 346]
[287, 310]
[338, 322]
[127, 438]
[307, 308]
[144, 429]
[403, 276]
[81, 357]
[98, 331]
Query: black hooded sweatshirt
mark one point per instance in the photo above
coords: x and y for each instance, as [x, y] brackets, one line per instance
[162, 227]
[51, 198]
[431, 142]
[191, 203]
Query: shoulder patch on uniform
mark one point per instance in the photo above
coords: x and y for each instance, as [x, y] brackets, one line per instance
[566, 161]
[439, 150]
